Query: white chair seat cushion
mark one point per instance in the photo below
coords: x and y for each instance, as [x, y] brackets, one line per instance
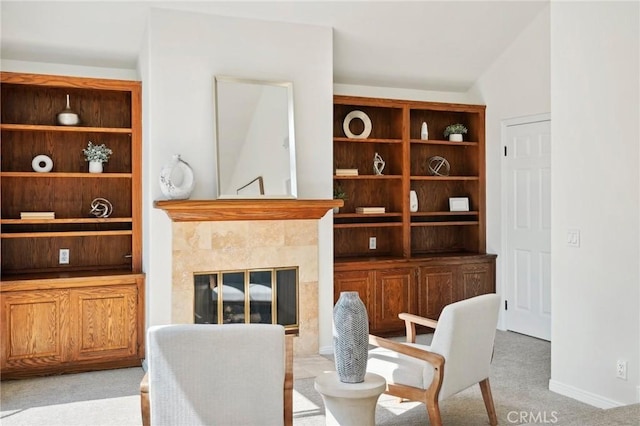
[400, 369]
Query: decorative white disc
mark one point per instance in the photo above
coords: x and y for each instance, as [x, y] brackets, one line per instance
[42, 164]
[365, 119]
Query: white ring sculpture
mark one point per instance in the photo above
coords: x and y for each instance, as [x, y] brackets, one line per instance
[365, 119]
[39, 160]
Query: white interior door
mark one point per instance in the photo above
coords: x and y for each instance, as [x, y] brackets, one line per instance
[527, 192]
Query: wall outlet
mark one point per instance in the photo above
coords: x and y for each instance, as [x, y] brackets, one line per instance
[621, 369]
[573, 238]
[63, 257]
[372, 243]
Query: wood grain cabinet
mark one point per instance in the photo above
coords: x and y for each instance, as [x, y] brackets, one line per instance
[414, 260]
[421, 286]
[394, 293]
[85, 310]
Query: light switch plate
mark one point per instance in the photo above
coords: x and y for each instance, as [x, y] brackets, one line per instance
[573, 238]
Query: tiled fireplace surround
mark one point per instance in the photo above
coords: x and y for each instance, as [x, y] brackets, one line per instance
[225, 235]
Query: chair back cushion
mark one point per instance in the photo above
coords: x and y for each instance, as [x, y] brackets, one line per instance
[204, 374]
[464, 336]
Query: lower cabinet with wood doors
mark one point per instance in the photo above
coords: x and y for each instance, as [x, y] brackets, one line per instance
[417, 286]
[53, 326]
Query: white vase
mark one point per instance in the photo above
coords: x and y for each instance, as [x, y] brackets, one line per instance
[413, 201]
[424, 131]
[95, 166]
[455, 137]
[176, 179]
[350, 337]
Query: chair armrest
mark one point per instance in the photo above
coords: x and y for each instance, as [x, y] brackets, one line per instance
[410, 322]
[436, 360]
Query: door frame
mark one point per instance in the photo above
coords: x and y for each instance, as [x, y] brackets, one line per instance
[508, 122]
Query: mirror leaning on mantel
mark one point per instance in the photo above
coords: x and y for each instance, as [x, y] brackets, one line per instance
[255, 138]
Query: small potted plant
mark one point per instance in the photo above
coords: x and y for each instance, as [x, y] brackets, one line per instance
[96, 155]
[338, 194]
[455, 131]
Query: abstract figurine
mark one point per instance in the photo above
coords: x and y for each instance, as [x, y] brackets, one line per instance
[378, 164]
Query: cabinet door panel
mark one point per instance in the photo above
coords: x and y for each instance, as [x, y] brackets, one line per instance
[476, 279]
[360, 281]
[34, 329]
[436, 290]
[105, 322]
[393, 295]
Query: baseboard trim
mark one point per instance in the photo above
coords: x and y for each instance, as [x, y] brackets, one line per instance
[582, 395]
[326, 350]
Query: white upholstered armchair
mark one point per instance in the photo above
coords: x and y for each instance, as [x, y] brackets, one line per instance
[231, 374]
[459, 356]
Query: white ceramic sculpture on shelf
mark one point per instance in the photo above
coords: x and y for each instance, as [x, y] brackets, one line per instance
[350, 337]
[101, 207]
[176, 179]
[413, 201]
[42, 163]
[378, 164]
[68, 117]
[424, 131]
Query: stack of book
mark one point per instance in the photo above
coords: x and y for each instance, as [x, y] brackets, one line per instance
[346, 172]
[370, 210]
[37, 215]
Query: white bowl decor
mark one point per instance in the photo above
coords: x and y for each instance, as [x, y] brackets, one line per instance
[96, 155]
[176, 179]
[455, 131]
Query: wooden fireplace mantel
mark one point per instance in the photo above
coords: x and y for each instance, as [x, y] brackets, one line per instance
[244, 209]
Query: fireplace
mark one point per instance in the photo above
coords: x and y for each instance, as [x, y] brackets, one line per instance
[258, 296]
[231, 236]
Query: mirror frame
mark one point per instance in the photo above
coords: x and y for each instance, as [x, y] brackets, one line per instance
[258, 181]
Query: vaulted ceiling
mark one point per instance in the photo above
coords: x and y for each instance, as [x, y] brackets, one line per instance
[429, 45]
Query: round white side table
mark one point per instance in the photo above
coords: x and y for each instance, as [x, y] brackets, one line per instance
[350, 404]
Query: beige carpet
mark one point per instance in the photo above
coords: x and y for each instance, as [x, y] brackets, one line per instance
[519, 380]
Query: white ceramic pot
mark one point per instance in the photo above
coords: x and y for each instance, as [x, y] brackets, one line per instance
[95, 167]
[455, 137]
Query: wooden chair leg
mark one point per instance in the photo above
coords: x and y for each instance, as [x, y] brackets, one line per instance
[488, 401]
[144, 401]
[433, 409]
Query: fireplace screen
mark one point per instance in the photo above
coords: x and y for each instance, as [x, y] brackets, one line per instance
[268, 296]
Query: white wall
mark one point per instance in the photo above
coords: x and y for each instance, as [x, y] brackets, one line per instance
[517, 84]
[181, 54]
[595, 184]
[404, 94]
[70, 70]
